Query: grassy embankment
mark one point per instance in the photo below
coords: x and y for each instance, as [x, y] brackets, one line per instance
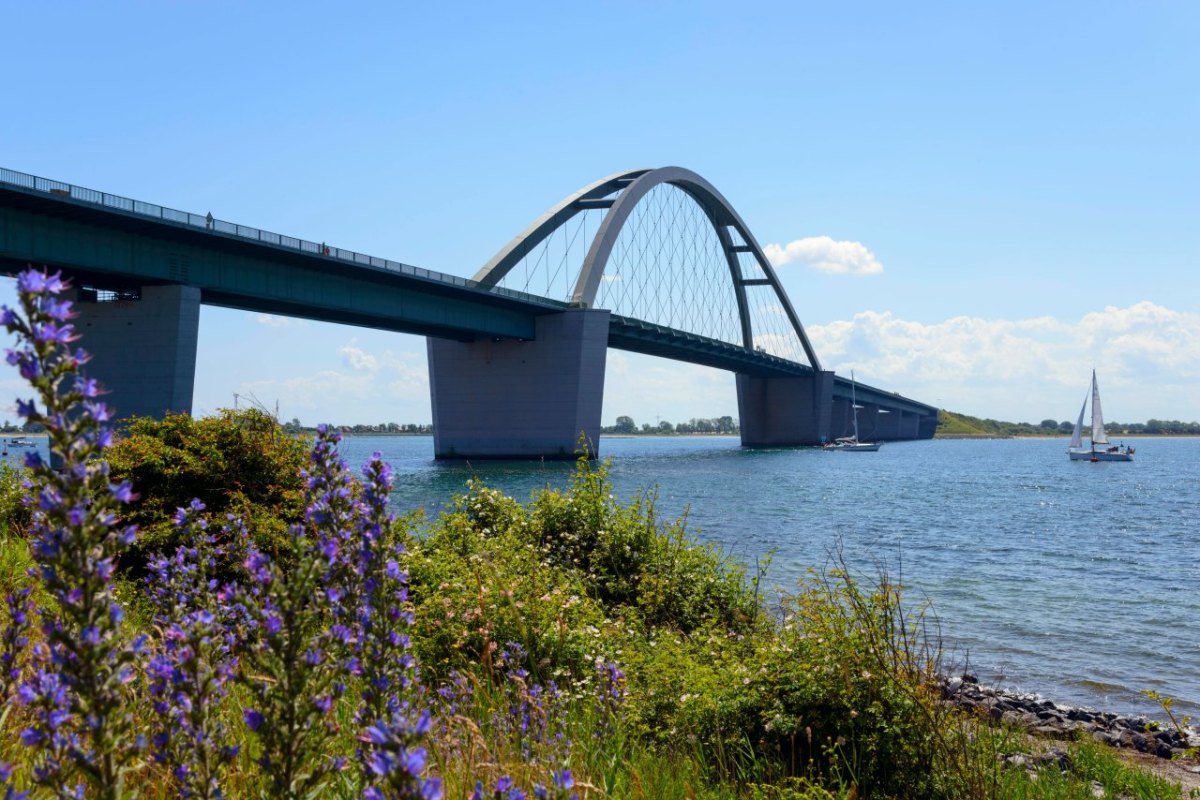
[837, 697]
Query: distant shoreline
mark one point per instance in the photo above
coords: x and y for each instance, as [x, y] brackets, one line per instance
[1118, 436]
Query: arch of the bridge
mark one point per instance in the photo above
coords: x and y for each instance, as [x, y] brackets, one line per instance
[617, 197]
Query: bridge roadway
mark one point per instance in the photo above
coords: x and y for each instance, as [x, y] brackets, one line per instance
[114, 243]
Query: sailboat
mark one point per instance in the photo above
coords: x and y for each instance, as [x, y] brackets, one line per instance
[851, 444]
[1101, 449]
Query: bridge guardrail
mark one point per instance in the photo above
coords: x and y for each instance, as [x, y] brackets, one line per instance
[208, 223]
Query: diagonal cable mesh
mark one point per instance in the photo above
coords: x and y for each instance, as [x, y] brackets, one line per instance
[667, 267]
[551, 268]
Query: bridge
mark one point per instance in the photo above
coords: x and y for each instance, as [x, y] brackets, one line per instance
[652, 261]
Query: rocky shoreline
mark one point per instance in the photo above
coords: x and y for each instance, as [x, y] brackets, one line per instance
[1046, 718]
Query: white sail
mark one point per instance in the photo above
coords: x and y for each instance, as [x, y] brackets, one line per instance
[1077, 434]
[1098, 434]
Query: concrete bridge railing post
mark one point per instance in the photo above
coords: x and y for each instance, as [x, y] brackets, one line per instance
[784, 412]
[521, 399]
[143, 351]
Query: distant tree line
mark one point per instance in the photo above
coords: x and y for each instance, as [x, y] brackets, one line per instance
[626, 425]
[950, 423]
[1151, 427]
[294, 426]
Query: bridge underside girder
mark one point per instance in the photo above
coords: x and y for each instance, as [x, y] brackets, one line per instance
[877, 422]
[654, 340]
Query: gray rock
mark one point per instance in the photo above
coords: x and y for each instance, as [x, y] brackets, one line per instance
[1080, 714]
[1045, 718]
[1057, 757]
[1015, 760]
[1133, 739]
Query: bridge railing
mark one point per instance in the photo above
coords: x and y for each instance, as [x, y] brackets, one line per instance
[220, 226]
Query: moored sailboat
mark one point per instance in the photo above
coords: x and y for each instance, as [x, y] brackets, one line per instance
[851, 444]
[1101, 449]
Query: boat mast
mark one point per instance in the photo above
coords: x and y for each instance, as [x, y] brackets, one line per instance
[854, 406]
[1099, 436]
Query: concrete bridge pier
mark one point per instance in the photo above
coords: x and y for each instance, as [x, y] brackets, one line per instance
[521, 399]
[927, 426]
[785, 412]
[910, 425]
[143, 347]
[883, 425]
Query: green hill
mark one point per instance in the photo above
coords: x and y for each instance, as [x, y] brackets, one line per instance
[952, 425]
[960, 425]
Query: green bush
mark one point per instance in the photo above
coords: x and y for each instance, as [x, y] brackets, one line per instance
[238, 462]
[631, 562]
[477, 583]
[14, 512]
[571, 576]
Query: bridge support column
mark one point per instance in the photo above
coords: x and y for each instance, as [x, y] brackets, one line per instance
[910, 425]
[887, 428]
[143, 351]
[784, 412]
[927, 426]
[521, 399]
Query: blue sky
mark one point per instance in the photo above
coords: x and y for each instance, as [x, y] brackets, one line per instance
[1025, 175]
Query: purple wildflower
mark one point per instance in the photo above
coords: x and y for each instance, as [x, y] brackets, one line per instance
[291, 661]
[13, 640]
[194, 663]
[396, 761]
[78, 688]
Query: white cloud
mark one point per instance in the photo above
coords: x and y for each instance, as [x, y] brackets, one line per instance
[827, 255]
[1145, 354]
[357, 358]
[276, 321]
[322, 390]
[376, 387]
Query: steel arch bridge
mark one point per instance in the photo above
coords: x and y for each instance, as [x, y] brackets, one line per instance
[675, 272]
[670, 234]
